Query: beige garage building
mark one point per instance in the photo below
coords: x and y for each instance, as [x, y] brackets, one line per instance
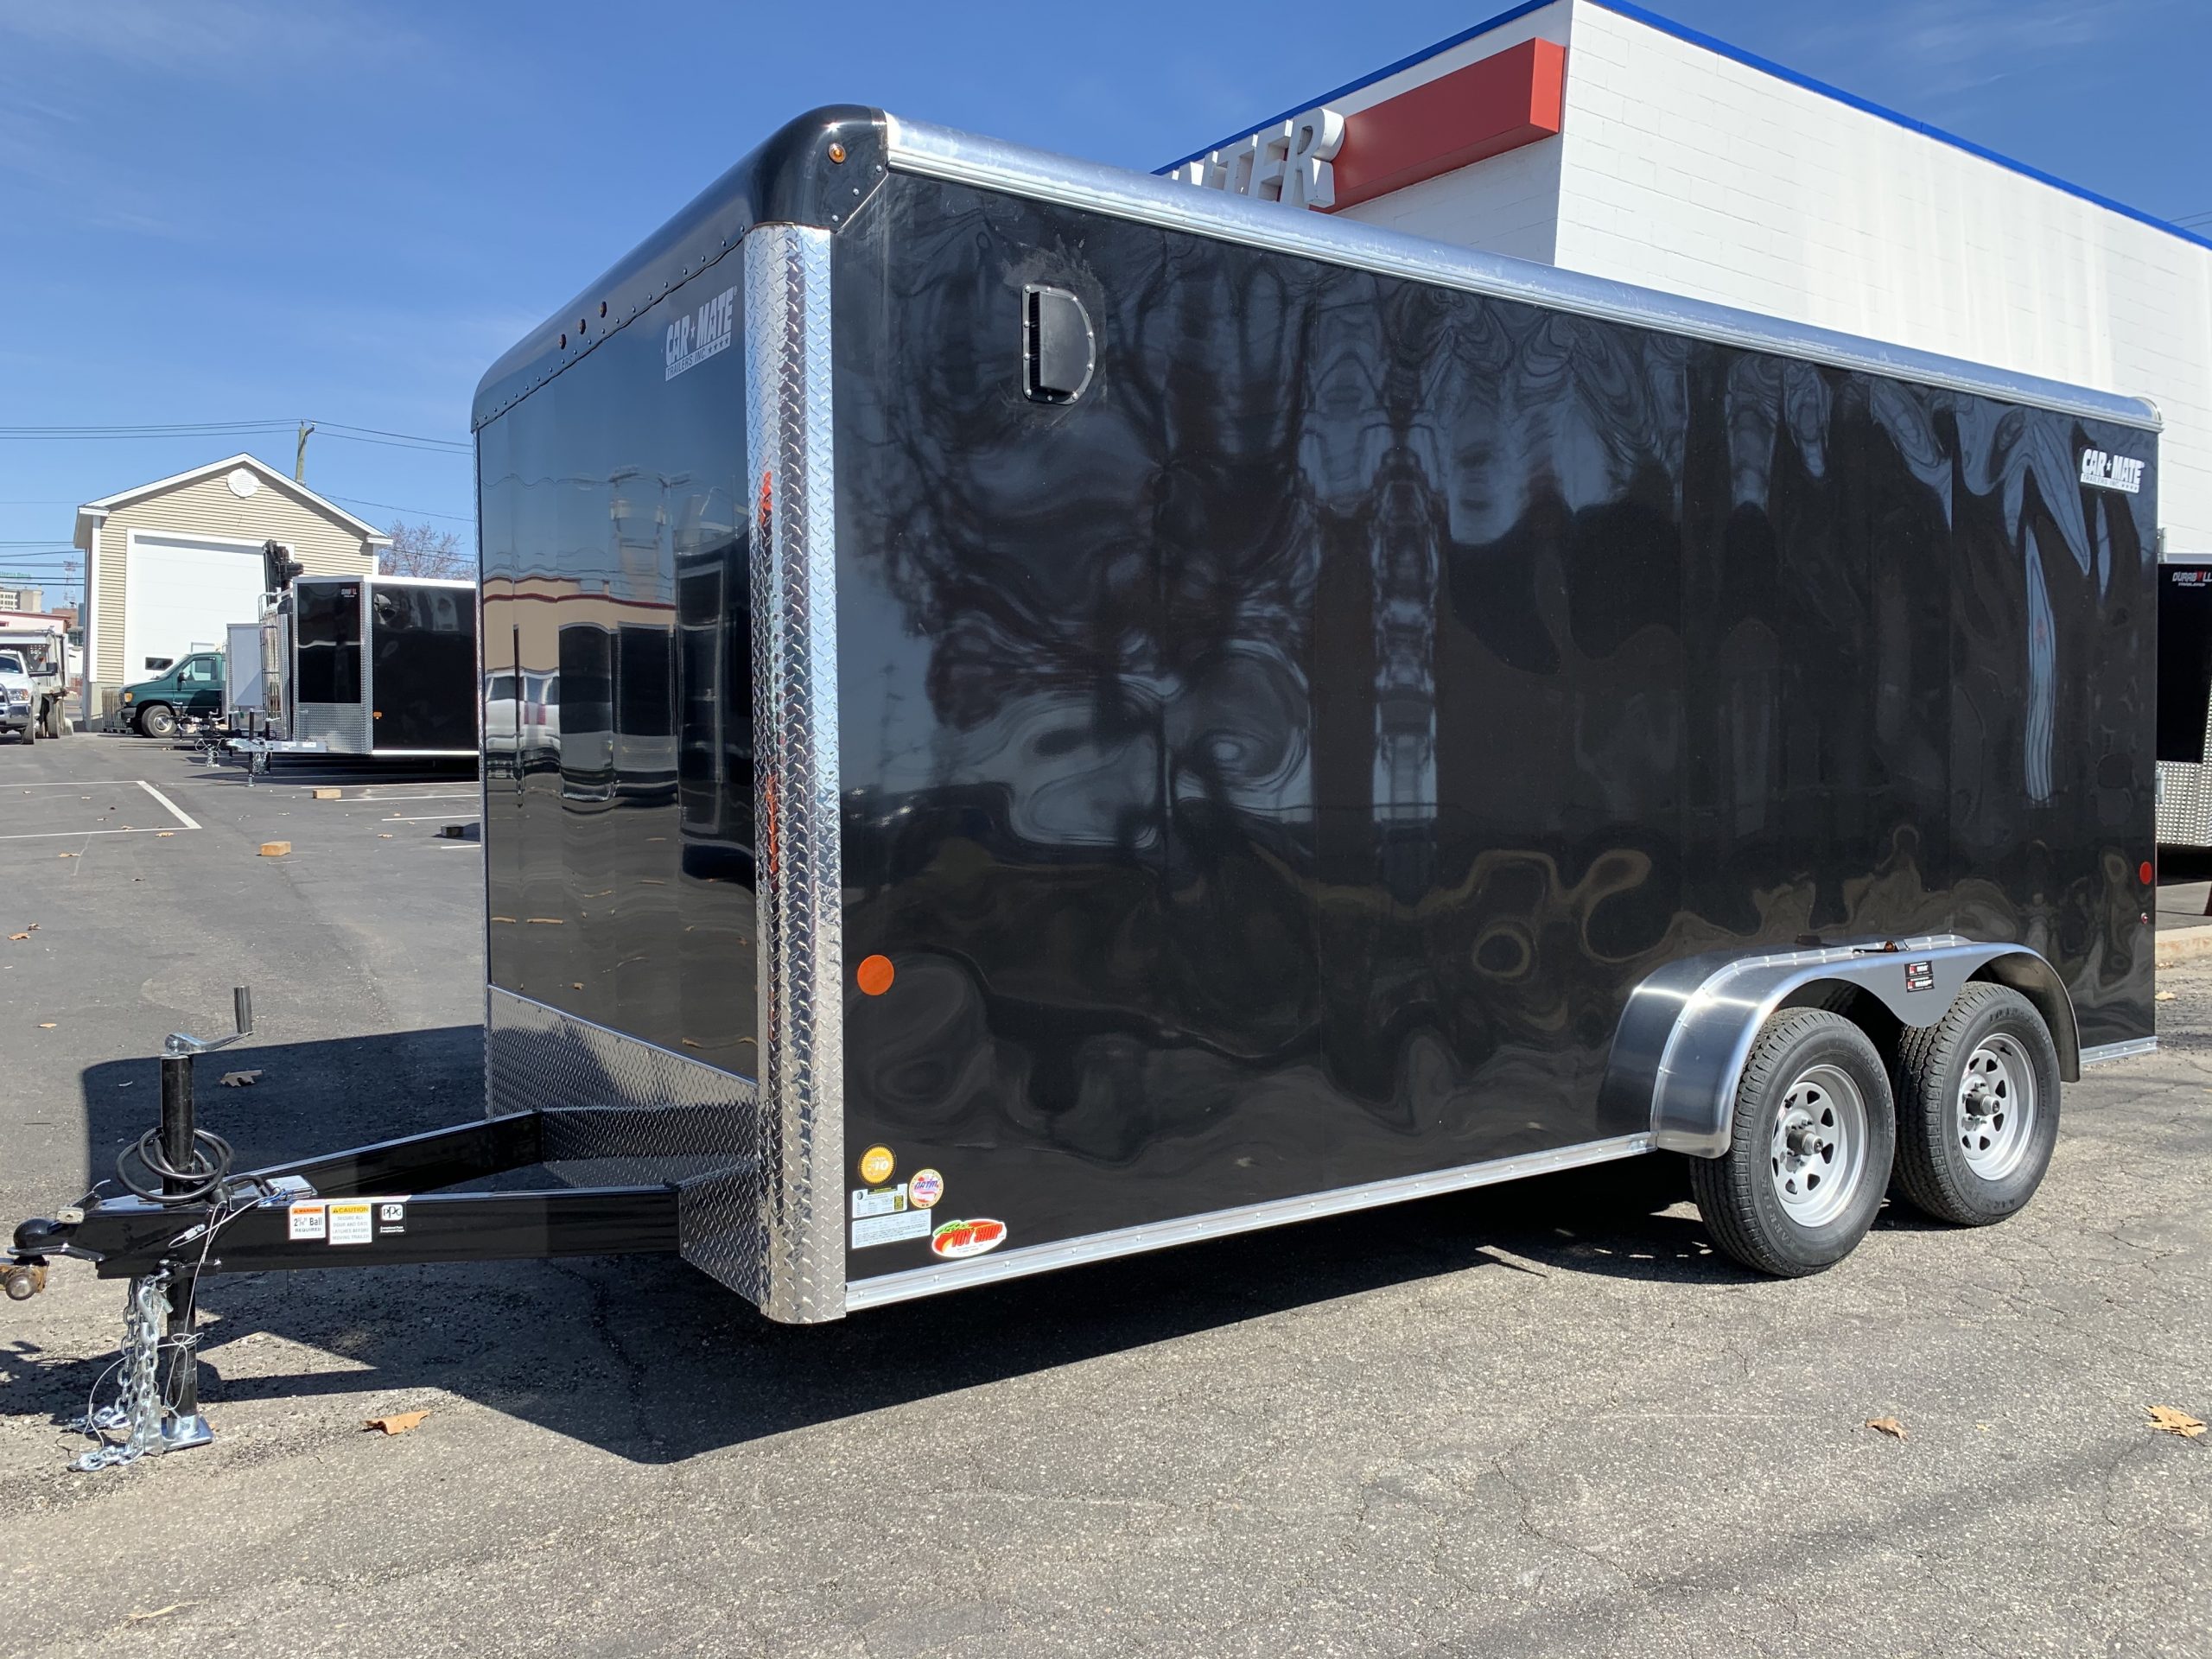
[169, 564]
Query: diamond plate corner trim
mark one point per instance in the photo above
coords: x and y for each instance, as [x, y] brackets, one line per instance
[789, 444]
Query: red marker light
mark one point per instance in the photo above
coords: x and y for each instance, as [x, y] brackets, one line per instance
[2144, 872]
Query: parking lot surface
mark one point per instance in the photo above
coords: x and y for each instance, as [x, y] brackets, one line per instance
[1538, 1419]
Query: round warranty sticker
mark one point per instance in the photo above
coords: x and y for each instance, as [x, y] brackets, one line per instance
[924, 1188]
[876, 1165]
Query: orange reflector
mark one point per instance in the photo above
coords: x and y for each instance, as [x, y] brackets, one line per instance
[874, 975]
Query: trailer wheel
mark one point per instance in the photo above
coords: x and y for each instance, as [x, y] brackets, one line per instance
[1809, 1151]
[156, 720]
[1977, 1107]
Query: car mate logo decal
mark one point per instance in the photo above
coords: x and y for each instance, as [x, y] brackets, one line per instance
[958, 1238]
[2104, 471]
[691, 340]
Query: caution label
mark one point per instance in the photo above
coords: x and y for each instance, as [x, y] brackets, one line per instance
[352, 1221]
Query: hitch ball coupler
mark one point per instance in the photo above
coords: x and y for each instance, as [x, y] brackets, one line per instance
[24, 1282]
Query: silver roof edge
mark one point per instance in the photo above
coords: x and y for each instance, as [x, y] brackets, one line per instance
[988, 163]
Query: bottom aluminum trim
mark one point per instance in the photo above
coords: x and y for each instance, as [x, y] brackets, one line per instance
[1219, 1224]
[2128, 1050]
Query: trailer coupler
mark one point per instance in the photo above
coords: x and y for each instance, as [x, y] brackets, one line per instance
[377, 1206]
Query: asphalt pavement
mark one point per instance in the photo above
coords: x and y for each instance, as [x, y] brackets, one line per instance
[1543, 1419]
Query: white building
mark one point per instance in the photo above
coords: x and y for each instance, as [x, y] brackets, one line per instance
[168, 565]
[1597, 135]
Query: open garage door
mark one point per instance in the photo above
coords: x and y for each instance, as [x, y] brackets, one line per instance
[185, 591]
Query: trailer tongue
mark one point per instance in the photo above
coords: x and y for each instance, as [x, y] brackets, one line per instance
[1036, 714]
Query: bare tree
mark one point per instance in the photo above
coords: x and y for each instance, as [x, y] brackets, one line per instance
[419, 550]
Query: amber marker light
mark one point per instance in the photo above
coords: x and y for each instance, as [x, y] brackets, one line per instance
[874, 975]
[837, 152]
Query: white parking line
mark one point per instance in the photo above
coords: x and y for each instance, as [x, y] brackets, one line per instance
[76, 835]
[175, 812]
[435, 817]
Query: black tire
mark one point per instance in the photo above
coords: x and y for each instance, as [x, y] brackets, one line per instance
[1976, 1170]
[1798, 1067]
[30, 730]
[156, 720]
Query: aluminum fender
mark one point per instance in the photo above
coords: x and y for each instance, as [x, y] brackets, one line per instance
[1688, 1030]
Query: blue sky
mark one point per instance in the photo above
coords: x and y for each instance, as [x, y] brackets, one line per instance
[343, 210]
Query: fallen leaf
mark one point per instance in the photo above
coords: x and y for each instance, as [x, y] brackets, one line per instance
[19, 936]
[1888, 1425]
[545, 921]
[688, 1043]
[383, 835]
[2167, 1420]
[46, 1024]
[2166, 996]
[163, 1612]
[240, 1079]
[163, 834]
[275, 849]
[66, 855]
[398, 1422]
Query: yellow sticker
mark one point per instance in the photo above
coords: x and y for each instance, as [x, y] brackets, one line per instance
[876, 1165]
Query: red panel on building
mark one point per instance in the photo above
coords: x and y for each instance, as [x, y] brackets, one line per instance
[1499, 104]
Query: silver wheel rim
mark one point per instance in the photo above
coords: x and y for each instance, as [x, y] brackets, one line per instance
[1994, 1114]
[1818, 1150]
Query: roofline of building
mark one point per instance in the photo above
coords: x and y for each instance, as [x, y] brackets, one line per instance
[98, 509]
[1750, 61]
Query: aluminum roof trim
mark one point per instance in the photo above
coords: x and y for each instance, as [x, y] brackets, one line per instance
[989, 163]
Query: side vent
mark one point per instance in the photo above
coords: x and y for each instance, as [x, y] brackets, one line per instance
[1059, 350]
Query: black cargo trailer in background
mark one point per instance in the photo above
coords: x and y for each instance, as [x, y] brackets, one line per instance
[382, 666]
[2186, 700]
[1093, 715]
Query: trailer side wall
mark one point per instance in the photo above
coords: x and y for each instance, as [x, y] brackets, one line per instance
[1273, 771]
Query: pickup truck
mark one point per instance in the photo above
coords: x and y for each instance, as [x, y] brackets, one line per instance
[191, 688]
[18, 698]
[39, 643]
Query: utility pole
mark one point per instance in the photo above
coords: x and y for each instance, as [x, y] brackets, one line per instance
[300, 456]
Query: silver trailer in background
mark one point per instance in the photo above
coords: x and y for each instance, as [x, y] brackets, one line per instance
[245, 677]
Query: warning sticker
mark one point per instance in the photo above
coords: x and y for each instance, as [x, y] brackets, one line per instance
[879, 1200]
[889, 1230]
[353, 1221]
[307, 1221]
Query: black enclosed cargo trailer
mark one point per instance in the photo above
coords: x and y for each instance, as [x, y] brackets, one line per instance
[1122, 715]
[2186, 700]
[375, 666]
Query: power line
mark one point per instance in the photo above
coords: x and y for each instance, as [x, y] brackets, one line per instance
[390, 507]
[411, 437]
[84, 433]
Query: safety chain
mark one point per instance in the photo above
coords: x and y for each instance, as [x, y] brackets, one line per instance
[138, 1406]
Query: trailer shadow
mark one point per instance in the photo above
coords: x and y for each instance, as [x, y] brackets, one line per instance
[648, 1358]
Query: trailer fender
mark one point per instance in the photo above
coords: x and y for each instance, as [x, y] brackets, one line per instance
[1688, 1030]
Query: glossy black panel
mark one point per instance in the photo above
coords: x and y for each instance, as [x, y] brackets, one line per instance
[2185, 660]
[618, 702]
[1272, 770]
[326, 624]
[422, 666]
